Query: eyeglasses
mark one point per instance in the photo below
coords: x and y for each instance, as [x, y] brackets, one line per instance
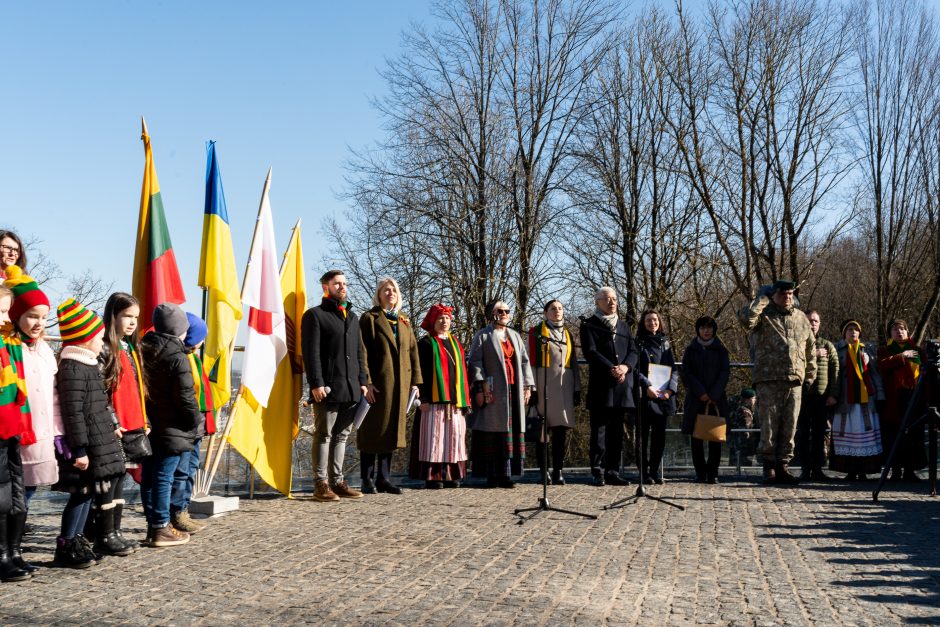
[9, 249]
[501, 311]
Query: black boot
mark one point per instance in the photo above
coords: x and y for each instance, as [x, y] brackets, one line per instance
[16, 526]
[118, 514]
[108, 542]
[72, 553]
[8, 570]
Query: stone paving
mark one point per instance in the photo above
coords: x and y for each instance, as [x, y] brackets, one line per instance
[740, 554]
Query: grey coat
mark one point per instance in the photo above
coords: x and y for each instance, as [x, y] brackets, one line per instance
[485, 359]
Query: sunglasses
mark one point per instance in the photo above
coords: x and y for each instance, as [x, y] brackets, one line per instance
[501, 311]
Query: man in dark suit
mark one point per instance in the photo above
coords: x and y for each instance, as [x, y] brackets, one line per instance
[611, 354]
[338, 378]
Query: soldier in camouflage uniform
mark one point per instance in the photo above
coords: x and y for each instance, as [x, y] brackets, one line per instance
[741, 416]
[784, 359]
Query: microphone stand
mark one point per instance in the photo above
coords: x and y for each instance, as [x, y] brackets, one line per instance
[641, 488]
[528, 513]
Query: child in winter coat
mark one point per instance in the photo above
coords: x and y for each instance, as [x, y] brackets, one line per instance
[124, 381]
[13, 409]
[91, 462]
[175, 419]
[185, 477]
[25, 338]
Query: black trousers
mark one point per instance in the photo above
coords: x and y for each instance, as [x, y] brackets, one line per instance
[558, 449]
[12, 492]
[607, 428]
[705, 469]
[811, 427]
[372, 471]
[653, 440]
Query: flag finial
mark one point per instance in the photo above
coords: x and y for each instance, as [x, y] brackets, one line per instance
[143, 126]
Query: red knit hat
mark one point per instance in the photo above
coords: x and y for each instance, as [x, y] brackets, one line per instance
[435, 312]
[26, 292]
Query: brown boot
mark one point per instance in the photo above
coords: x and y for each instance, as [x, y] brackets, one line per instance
[343, 490]
[324, 493]
[184, 522]
[769, 475]
[167, 536]
[784, 476]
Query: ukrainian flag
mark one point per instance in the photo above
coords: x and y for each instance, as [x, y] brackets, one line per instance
[218, 277]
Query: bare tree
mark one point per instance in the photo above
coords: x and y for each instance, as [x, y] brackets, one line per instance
[899, 65]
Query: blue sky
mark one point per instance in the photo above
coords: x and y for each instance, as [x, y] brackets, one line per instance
[283, 84]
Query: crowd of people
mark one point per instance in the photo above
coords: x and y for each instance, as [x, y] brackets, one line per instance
[113, 403]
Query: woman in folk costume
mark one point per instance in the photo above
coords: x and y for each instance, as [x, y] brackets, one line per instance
[25, 338]
[499, 368]
[392, 354]
[899, 362]
[14, 420]
[557, 382]
[856, 428]
[438, 437]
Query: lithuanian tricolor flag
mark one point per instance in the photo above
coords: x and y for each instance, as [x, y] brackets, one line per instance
[156, 277]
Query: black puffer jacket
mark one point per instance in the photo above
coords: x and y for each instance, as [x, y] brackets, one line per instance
[88, 421]
[172, 407]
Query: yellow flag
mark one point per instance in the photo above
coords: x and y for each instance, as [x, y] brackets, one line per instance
[265, 435]
[217, 275]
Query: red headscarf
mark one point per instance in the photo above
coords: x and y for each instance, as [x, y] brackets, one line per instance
[435, 312]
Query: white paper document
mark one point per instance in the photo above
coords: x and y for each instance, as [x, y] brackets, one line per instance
[361, 411]
[659, 377]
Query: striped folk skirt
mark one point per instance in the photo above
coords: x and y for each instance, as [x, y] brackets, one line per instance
[439, 444]
[856, 439]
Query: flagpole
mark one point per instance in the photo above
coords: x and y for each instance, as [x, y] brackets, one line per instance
[207, 484]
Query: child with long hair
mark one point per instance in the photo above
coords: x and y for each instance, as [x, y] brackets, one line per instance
[25, 338]
[122, 371]
[91, 463]
[13, 408]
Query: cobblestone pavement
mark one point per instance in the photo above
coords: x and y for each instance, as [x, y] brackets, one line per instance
[740, 554]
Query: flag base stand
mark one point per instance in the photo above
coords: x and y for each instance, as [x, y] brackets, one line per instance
[211, 505]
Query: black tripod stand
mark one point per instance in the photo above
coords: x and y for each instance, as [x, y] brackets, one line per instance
[528, 513]
[641, 488]
[927, 384]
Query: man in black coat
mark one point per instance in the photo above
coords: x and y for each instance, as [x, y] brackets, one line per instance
[611, 354]
[338, 376]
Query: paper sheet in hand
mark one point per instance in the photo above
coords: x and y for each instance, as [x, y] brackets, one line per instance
[412, 401]
[659, 377]
[361, 411]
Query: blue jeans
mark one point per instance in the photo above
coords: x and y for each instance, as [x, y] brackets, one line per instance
[184, 479]
[156, 482]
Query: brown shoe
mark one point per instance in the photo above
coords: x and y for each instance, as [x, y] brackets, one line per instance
[343, 490]
[324, 493]
[184, 522]
[167, 536]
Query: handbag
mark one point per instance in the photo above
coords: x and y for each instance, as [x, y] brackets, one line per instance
[710, 427]
[136, 445]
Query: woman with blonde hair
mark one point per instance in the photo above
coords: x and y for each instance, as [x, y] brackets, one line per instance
[391, 353]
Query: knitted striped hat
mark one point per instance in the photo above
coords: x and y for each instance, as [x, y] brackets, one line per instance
[26, 293]
[77, 324]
